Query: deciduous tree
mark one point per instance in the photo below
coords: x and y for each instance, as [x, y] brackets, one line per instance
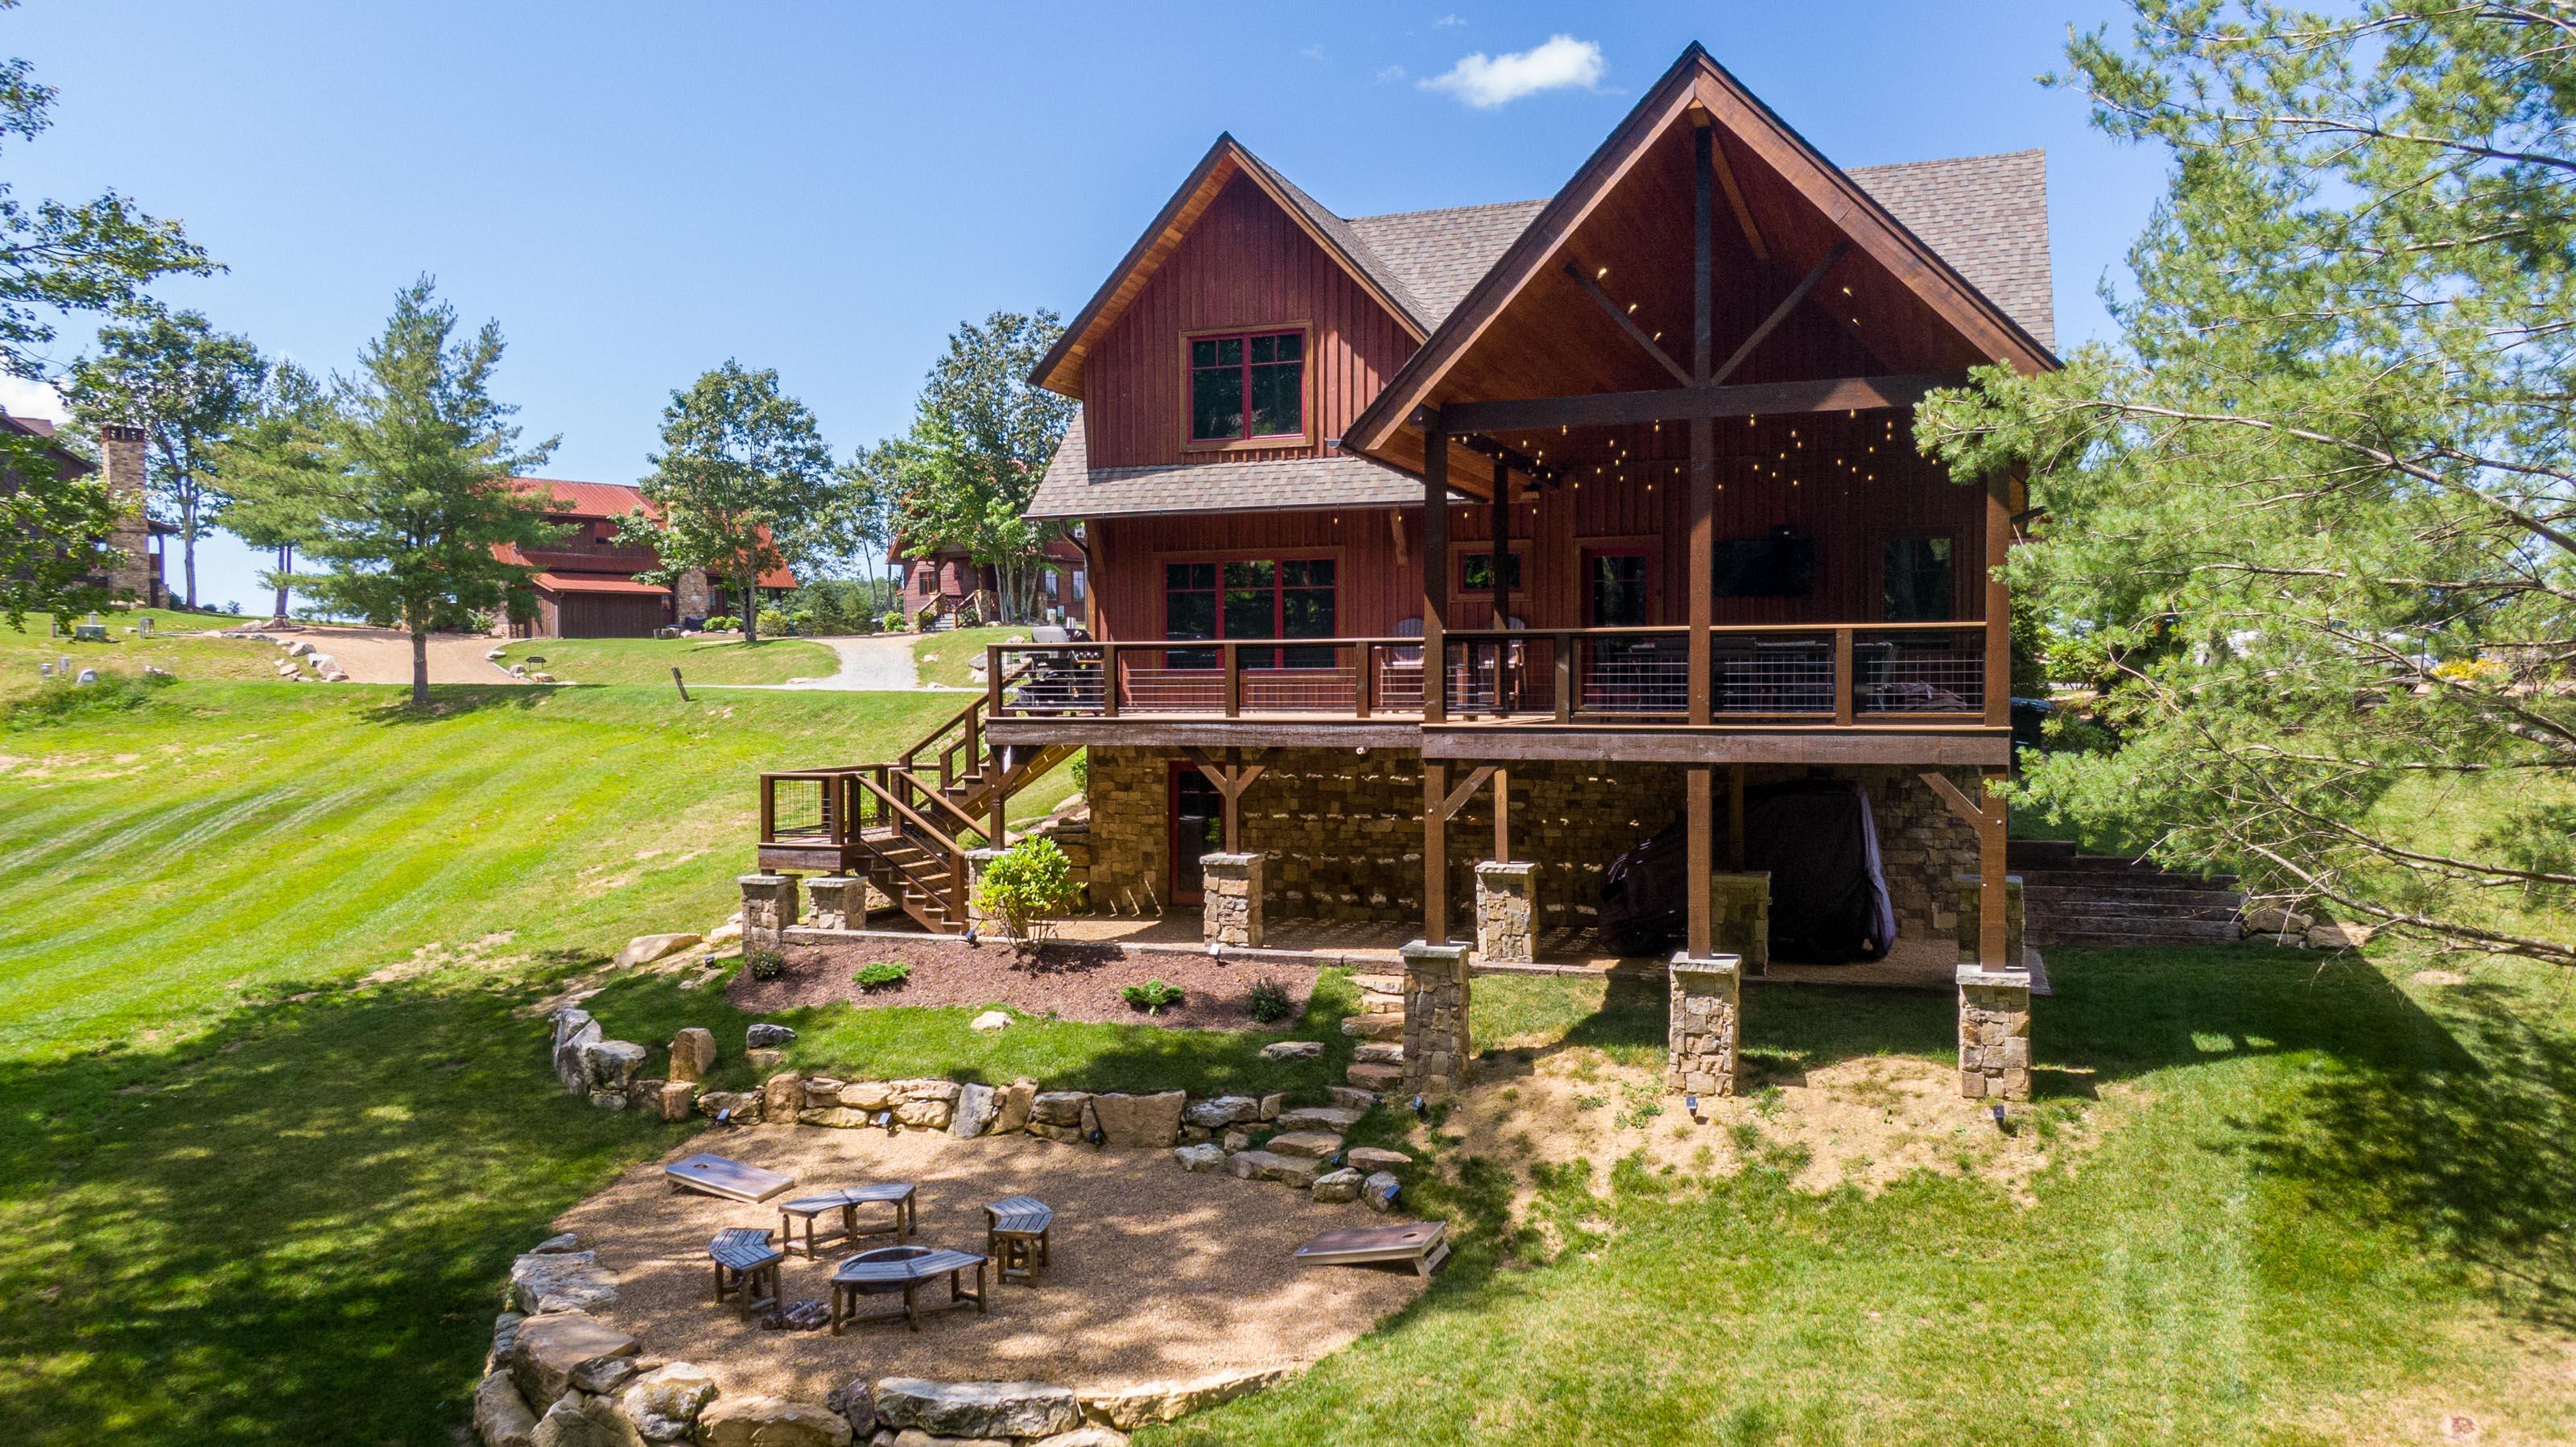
[187, 386]
[2310, 519]
[740, 486]
[981, 438]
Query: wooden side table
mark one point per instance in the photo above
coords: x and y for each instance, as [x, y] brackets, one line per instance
[1015, 1236]
[746, 1268]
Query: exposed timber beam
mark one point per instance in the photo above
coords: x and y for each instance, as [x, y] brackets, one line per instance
[1456, 799]
[1760, 399]
[1779, 313]
[1627, 323]
[1735, 202]
[1512, 457]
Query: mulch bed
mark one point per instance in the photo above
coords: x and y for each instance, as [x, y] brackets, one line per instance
[1071, 981]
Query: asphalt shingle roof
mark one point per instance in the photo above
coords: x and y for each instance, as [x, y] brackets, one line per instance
[1074, 489]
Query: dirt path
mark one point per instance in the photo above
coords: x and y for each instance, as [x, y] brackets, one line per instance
[383, 655]
[877, 663]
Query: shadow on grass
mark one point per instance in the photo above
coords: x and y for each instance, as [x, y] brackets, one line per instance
[455, 700]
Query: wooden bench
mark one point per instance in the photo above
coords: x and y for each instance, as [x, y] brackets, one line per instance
[1015, 1236]
[897, 1194]
[746, 1267]
[715, 1175]
[903, 1268]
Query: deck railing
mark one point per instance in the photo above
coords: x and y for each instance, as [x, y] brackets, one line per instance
[1849, 675]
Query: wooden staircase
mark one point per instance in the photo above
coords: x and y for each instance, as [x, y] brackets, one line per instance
[905, 825]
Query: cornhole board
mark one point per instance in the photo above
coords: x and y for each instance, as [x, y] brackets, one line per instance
[1422, 1244]
[716, 1176]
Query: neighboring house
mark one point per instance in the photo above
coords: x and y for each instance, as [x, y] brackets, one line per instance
[138, 577]
[1680, 392]
[585, 583]
[945, 582]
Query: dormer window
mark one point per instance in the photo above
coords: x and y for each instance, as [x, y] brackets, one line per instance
[1247, 387]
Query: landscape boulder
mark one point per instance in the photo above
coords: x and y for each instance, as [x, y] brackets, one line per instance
[1378, 1052]
[977, 1409]
[501, 1415]
[676, 1100]
[1314, 1145]
[782, 1095]
[745, 1106]
[990, 1021]
[1378, 1191]
[1293, 1050]
[1375, 1078]
[693, 1053]
[560, 1281]
[771, 1422]
[1150, 1121]
[2270, 920]
[664, 1403]
[2339, 936]
[973, 1114]
[1377, 1158]
[573, 1029]
[1334, 1118]
[1222, 1111]
[1058, 1107]
[1202, 1158]
[764, 1036]
[929, 1113]
[610, 1067]
[857, 1406]
[1018, 1099]
[645, 949]
[567, 1351]
[584, 1421]
[1148, 1403]
[1298, 1171]
[1335, 1187]
[1353, 1097]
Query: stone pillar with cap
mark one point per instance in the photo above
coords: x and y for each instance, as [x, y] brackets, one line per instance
[1994, 1033]
[1506, 912]
[1701, 1032]
[768, 911]
[1435, 1019]
[1230, 894]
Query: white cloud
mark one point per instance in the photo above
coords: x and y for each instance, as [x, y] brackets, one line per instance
[1448, 20]
[1391, 73]
[1313, 52]
[23, 398]
[1485, 81]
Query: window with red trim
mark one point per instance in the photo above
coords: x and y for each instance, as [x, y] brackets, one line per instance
[1251, 598]
[1247, 387]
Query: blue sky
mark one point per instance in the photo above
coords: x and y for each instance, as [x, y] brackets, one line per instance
[637, 192]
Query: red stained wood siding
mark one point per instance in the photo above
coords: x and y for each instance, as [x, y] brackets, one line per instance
[1246, 264]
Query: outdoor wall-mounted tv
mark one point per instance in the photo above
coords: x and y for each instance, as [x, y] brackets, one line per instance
[1781, 564]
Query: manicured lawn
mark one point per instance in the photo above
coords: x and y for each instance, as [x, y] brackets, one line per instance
[246, 1197]
[21, 650]
[650, 660]
[2325, 1206]
[947, 659]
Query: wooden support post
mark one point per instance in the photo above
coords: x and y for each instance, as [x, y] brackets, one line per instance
[1435, 574]
[1845, 685]
[1735, 817]
[1502, 528]
[1696, 928]
[1998, 609]
[1502, 816]
[1231, 777]
[993, 679]
[1233, 656]
[1703, 480]
[1435, 851]
[1994, 897]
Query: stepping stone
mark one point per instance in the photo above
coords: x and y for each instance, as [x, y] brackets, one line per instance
[1270, 1166]
[1374, 1027]
[1379, 1053]
[1352, 1097]
[1293, 1050]
[1375, 1077]
[1334, 1118]
[1376, 1158]
[1312, 1144]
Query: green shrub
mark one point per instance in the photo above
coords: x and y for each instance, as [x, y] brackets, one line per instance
[764, 964]
[1152, 996]
[723, 623]
[773, 623]
[1270, 1000]
[55, 702]
[1030, 881]
[894, 620]
[1081, 769]
[883, 975]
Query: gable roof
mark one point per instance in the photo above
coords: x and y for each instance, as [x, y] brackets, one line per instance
[1060, 370]
[1072, 488]
[1696, 83]
[587, 499]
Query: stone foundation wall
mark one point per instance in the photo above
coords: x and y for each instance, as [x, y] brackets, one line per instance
[1344, 834]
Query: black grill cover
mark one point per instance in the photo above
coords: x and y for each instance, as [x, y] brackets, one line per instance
[1829, 900]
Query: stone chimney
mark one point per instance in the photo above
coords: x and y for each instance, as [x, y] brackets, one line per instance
[120, 466]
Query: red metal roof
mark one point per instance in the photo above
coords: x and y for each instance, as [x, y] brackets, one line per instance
[607, 500]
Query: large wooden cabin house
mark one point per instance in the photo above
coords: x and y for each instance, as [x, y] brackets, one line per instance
[584, 583]
[1676, 397]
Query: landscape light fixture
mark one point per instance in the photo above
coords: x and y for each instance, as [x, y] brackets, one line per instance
[1097, 1138]
[1999, 1115]
[971, 931]
[1690, 1105]
[884, 1118]
[1421, 1106]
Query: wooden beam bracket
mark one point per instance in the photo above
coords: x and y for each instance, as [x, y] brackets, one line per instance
[1627, 323]
[1780, 313]
[1960, 804]
[1457, 798]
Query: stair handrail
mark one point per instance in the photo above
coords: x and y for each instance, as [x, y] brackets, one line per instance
[932, 795]
[956, 852]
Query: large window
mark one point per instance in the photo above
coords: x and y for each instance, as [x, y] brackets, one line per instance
[1244, 388]
[1476, 572]
[1616, 590]
[1915, 574]
[1253, 598]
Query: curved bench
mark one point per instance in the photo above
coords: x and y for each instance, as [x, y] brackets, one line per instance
[904, 1268]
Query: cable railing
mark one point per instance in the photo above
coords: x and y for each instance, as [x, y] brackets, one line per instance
[1847, 675]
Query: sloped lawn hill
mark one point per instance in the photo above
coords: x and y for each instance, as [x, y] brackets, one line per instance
[244, 1197]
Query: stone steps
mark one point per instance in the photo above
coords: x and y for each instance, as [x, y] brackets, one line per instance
[2103, 901]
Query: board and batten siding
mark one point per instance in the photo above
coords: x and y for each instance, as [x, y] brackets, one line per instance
[1246, 264]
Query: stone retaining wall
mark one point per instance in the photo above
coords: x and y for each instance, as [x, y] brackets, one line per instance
[1343, 832]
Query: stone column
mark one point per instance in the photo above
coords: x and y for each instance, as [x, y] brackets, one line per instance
[1507, 912]
[1435, 1019]
[768, 909]
[1971, 900]
[121, 472]
[691, 593]
[839, 901]
[1739, 917]
[1994, 1033]
[1707, 1006]
[1230, 885]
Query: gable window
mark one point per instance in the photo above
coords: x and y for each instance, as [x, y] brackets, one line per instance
[1476, 571]
[1915, 579]
[1247, 387]
[1250, 598]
